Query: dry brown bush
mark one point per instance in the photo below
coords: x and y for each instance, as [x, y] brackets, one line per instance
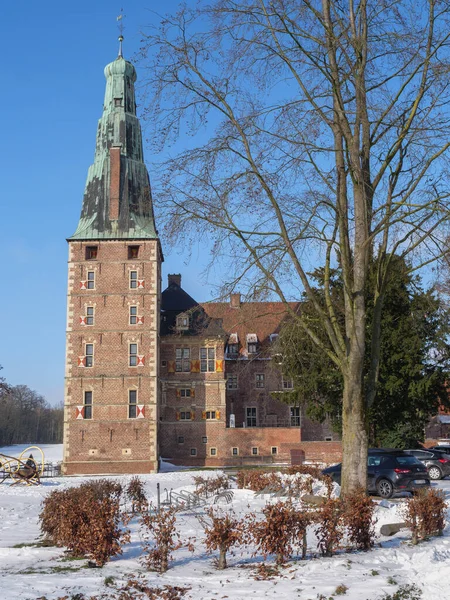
[160, 538]
[222, 531]
[281, 532]
[424, 514]
[330, 530]
[136, 494]
[204, 486]
[258, 480]
[86, 520]
[358, 518]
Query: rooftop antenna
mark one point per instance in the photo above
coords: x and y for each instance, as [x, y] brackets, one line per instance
[121, 28]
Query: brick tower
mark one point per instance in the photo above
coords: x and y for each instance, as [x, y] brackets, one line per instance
[113, 304]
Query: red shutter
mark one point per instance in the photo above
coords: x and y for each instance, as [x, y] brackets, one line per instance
[81, 361]
[217, 414]
[140, 320]
[219, 366]
[178, 416]
[80, 412]
[141, 283]
[82, 320]
[141, 361]
[83, 285]
[140, 411]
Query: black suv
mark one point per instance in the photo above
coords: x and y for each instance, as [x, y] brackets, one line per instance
[389, 472]
[435, 459]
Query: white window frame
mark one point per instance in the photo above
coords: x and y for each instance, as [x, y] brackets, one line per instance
[90, 280]
[233, 453]
[253, 451]
[213, 451]
[133, 281]
[89, 315]
[193, 452]
[89, 358]
[287, 383]
[183, 360]
[260, 381]
[295, 419]
[133, 357]
[183, 412]
[133, 317]
[210, 413]
[207, 359]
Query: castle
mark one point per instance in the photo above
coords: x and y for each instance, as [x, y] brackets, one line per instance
[152, 373]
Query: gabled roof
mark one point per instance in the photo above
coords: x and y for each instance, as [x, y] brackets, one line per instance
[260, 318]
[174, 298]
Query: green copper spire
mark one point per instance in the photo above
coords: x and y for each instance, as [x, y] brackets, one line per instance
[117, 198]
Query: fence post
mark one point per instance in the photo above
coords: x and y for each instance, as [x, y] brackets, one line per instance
[158, 495]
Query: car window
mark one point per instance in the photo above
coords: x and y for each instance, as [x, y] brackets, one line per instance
[407, 460]
[377, 460]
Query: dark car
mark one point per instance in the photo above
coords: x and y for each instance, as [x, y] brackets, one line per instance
[436, 461]
[389, 472]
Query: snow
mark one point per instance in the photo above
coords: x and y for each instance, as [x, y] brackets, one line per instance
[31, 572]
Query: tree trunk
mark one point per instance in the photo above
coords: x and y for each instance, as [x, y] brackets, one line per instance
[222, 559]
[354, 432]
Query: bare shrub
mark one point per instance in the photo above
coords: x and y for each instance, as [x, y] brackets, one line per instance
[222, 531]
[358, 518]
[160, 538]
[136, 494]
[329, 532]
[315, 474]
[424, 514]
[86, 520]
[282, 530]
[258, 480]
[204, 486]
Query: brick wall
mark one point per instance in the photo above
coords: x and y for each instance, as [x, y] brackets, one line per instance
[110, 442]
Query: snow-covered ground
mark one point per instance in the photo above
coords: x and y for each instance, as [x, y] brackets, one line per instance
[29, 572]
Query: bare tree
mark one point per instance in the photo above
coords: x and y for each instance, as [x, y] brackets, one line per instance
[319, 136]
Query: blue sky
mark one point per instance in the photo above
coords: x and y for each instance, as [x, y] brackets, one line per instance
[53, 86]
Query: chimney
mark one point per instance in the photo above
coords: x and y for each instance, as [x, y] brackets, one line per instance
[175, 278]
[235, 300]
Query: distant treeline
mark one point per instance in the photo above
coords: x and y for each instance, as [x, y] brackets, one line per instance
[27, 417]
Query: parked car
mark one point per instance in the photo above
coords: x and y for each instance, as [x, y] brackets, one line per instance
[389, 472]
[443, 448]
[435, 459]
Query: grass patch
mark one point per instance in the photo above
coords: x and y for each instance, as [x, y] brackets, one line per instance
[38, 544]
[48, 571]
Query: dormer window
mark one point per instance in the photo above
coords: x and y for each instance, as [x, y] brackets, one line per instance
[133, 252]
[91, 252]
[182, 322]
[233, 345]
[252, 343]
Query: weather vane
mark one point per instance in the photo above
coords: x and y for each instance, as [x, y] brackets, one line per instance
[121, 28]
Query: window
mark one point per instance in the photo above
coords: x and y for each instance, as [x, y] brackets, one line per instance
[235, 451]
[252, 348]
[91, 252]
[185, 393]
[185, 415]
[213, 451]
[207, 359]
[133, 252]
[233, 349]
[133, 280]
[89, 354]
[328, 439]
[89, 315]
[91, 280]
[210, 415]
[204, 439]
[133, 355]
[183, 360]
[287, 383]
[252, 343]
[260, 380]
[193, 451]
[117, 101]
[274, 450]
[132, 404]
[295, 416]
[87, 408]
[164, 363]
[251, 416]
[133, 315]
[183, 322]
[254, 451]
[180, 439]
[232, 382]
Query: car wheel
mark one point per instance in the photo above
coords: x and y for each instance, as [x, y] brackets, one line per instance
[385, 488]
[434, 473]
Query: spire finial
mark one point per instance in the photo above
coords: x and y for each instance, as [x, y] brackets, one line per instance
[121, 28]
